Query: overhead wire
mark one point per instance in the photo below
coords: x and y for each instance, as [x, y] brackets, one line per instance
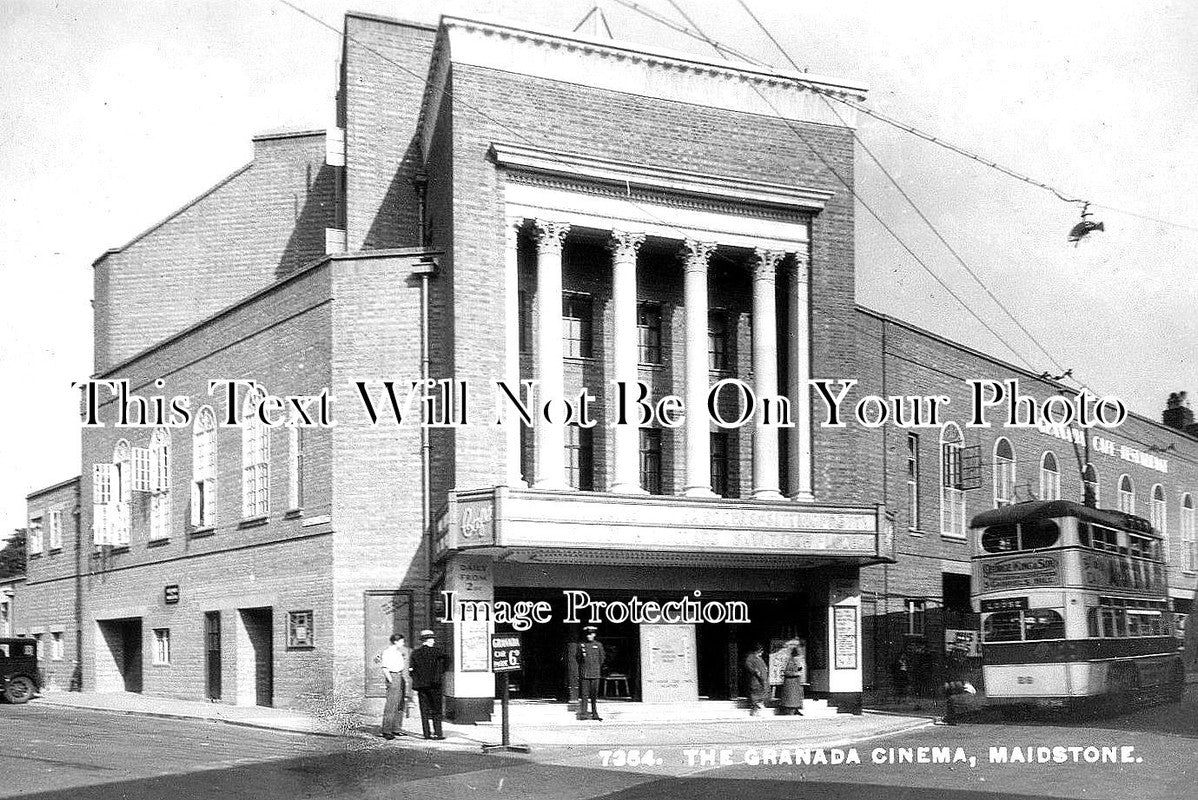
[864, 204]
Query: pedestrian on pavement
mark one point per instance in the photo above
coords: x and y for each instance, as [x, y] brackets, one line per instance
[956, 685]
[901, 676]
[792, 684]
[428, 676]
[758, 679]
[590, 667]
[394, 664]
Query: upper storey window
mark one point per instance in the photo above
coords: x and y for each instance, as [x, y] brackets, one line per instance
[1004, 473]
[203, 478]
[577, 329]
[255, 458]
[648, 330]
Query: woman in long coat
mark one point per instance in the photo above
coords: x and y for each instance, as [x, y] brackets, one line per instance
[792, 684]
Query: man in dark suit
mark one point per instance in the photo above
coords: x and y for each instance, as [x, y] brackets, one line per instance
[428, 675]
[590, 666]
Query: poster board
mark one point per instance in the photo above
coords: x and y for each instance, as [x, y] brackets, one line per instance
[669, 667]
[844, 634]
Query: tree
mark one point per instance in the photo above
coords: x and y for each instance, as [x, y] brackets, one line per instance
[12, 555]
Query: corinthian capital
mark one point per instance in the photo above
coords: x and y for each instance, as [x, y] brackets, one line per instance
[550, 235]
[695, 254]
[624, 246]
[802, 264]
[765, 264]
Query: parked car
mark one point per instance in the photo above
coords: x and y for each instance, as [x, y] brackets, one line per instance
[18, 670]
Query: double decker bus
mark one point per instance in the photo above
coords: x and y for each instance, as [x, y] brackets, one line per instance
[1075, 605]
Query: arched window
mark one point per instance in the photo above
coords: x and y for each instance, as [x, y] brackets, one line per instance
[1090, 485]
[1157, 513]
[1127, 495]
[1050, 477]
[203, 469]
[1004, 473]
[1189, 547]
[255, 458]
[122, 492]
[952, 495]
[160, 484]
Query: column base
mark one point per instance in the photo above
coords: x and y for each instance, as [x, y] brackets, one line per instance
[627, 488]
[698, 491]
[766, 494]
[803, 497]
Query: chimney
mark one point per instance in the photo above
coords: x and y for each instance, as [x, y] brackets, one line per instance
[1177, 413]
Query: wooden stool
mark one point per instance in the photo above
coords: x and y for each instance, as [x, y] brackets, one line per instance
[615, 682]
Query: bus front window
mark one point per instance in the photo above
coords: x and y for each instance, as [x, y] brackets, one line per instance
[1002, 626]
[1043, 623]
[1041, 533]
[1000, 538]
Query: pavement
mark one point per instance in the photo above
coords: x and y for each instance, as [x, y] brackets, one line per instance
[325, 720]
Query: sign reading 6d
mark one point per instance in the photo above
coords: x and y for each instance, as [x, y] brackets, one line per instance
[505, 652]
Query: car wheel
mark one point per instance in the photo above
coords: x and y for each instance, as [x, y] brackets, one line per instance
[19, 690]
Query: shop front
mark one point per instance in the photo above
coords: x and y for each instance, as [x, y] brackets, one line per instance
[680, 589]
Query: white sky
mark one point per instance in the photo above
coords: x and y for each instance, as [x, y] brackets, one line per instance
[113, 114]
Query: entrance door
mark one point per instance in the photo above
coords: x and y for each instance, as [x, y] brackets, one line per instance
[132, 652]
[259, 629]
[118, 658]
[212, 653]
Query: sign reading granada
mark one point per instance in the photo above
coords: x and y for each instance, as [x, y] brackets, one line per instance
[1011, 573]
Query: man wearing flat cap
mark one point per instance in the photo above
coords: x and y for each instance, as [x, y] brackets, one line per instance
[590, 665]
[428, 675]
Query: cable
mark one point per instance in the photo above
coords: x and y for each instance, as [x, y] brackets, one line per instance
[910, 201]
[852, 190]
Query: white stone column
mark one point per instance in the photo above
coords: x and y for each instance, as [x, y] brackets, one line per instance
[511, 343]
[695, 256]
[800, 375]
[550, 439]
[765, 370]
[626, 472]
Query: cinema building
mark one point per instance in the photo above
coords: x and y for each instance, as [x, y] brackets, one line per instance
[499, 203]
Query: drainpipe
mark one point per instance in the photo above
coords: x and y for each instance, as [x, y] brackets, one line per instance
[425, 268]
[77, 678]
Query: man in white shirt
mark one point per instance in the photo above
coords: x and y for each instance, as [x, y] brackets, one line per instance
[394, 663]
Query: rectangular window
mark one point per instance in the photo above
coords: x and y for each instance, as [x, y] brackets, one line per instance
[295, 466]
[255, 454]
[56, 530]
[299, 629]
[56, 646]
[580, 457]
[141, 469]
[651, 460]
[33, 542]
[913, 481]
[160, 480]
[916, 617]
[162, 646]
[719, 463]
[577, 334]
[648, 333]
[717, 341]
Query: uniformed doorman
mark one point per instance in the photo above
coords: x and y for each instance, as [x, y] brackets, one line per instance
[590, 667]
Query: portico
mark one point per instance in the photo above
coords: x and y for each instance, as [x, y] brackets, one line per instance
[761, 229]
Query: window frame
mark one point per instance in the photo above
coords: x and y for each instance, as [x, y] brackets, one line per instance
[580, 457]
[161, 654]
[294, 642]
[913, 477]
[160, 482]
[649, 325]
[953, 501]
[718, 340]
[205, 455]
[581, 318]
[1189, 544]
[1004, 470]
[255, 458]
[915, 617]
[1127, 497]
[34, 537]
[1050, 479]
[651, 447]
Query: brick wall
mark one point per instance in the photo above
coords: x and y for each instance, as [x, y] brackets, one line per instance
[262, 223]
[385, 63]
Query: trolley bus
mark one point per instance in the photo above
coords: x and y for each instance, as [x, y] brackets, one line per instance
[1074, 604]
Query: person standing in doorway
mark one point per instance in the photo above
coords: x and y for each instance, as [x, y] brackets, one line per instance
[792, 684]
[590, 668]
[428, 676]
[758, 679]
[394, 664]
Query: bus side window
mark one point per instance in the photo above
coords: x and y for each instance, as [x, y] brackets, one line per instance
[1002, 626]
[1092, 622]
[1083, 534]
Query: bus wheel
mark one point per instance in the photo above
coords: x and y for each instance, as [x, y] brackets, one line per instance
[1121, 686]
[19, 690]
